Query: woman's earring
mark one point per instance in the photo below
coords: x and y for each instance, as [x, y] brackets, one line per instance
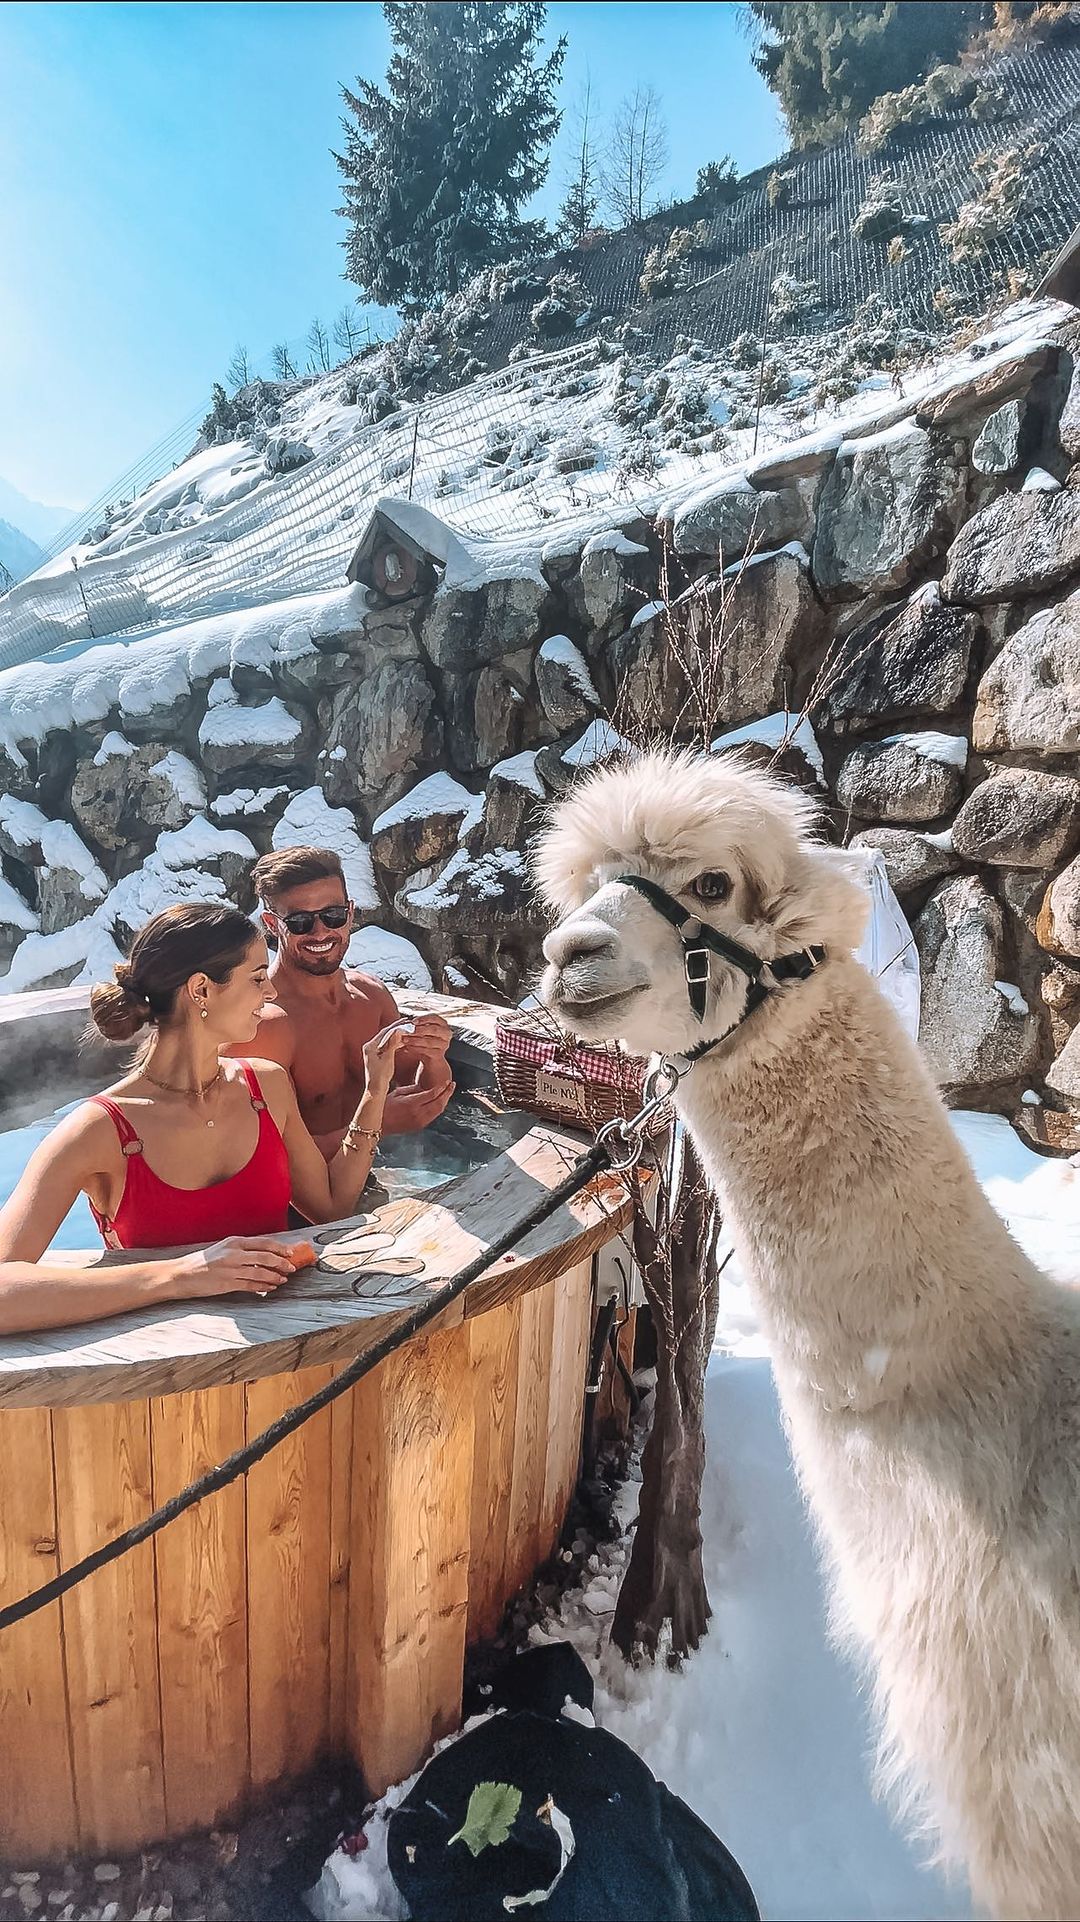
[203, 1012]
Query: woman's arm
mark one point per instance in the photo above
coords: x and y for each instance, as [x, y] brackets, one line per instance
[321, 1190]
[42, 1294]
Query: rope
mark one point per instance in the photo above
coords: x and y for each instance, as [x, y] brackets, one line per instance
[594, 1162]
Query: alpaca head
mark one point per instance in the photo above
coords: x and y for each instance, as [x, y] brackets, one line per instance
[736, 846]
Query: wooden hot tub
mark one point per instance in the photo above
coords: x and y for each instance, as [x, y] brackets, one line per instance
[320, 1606]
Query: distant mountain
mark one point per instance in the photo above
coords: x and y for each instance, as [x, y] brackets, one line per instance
[32, 518]
[18, 553]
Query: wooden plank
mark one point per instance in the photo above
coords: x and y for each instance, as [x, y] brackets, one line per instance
[529, 1468]
[288, 1556]
[341, 1458]
[566, 1407]
[409, 1580]
[37, 1801]
[202, 1611]
[317, 1318]
[103, 1484]
[493, 1350]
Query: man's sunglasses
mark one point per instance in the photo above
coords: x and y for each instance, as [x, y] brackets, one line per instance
[302, 920]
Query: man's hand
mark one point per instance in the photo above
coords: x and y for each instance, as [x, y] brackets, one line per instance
[430, 1038]
[408, 1110]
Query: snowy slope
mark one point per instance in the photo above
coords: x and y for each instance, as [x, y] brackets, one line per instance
[592, 431]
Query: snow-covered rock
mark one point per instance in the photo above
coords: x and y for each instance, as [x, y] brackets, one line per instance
[125, 799]
[974, 1036]
[422, 827]
[563, 682]
[233, 735]
[889, 503]
[1019, 545]
[909, 777]
[908, 660]
[308, 821]
[390, 958]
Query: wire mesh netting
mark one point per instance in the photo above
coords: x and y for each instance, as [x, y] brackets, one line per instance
[296, 533]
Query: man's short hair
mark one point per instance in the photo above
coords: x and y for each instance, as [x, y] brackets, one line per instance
[274, 874]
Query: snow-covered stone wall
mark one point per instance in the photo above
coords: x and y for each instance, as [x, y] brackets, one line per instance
[892, 607]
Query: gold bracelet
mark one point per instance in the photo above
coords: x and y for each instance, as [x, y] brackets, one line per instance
[373, 1135]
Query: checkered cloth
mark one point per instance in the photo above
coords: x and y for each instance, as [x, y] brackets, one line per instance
[532, 1042]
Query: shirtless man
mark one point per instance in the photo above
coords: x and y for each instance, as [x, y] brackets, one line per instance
[324, 1013]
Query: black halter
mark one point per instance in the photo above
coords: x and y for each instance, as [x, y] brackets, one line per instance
[699, 940]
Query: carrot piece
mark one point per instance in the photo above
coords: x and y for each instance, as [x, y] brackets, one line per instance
[301, 1254]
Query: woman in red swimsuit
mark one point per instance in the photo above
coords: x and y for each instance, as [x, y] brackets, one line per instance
[187, 1147]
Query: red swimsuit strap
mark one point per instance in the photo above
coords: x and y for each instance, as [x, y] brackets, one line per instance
[129, 1136]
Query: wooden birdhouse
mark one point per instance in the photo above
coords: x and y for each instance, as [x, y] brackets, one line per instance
[392, 564]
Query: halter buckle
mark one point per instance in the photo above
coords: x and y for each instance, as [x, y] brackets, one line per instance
[696, 963]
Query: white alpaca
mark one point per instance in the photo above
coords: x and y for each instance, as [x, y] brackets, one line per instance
[929, 1373]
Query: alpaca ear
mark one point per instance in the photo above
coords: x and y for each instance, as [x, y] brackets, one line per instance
[822, 902]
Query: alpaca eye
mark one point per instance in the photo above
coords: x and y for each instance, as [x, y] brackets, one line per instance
[714, 886]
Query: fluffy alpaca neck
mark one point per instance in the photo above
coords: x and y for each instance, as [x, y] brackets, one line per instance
[852, 1205]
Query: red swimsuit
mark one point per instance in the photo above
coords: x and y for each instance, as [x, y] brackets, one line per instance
[153, 1214]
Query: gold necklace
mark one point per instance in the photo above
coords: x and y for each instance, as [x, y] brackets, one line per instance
[192, 1094]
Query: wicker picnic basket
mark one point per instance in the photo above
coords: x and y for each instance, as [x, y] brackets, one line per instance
[562, 1080]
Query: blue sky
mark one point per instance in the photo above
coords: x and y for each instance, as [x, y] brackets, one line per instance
[169, 191]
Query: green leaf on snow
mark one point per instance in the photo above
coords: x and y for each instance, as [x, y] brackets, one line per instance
[489, 1816]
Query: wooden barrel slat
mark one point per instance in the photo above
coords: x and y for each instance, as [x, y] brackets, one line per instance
[103, 1485]
[201, 1611]
[36, 1791]
[288, 1572]
[411, 1523]
[494, 1346]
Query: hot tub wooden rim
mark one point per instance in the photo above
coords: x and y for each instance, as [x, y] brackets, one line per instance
[146, 1353]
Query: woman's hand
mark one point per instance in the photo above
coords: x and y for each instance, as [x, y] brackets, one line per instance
[239, 1265]
[380, 1053]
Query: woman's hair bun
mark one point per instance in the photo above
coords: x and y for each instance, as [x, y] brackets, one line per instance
[117, 1008]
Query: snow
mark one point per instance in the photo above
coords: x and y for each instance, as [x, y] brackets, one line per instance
[86, 951]
[227, 724]
[183, 777]
[778, 731]
[200, 844]
[247, 800]
[112, 747]
[487, 878]
[598, 743]
[438, 794]
[154, 674]
[647, 613]
[1038, 481]
[519, 770]
[613, 541]
[1013, 997]
[560, 648]
[390, 958]
[309, 821]
[14, 912]
[28, 828]
[950, 749]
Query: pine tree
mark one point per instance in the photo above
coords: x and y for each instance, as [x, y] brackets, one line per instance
[828, 63]
[437, 168]
[578, 211]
